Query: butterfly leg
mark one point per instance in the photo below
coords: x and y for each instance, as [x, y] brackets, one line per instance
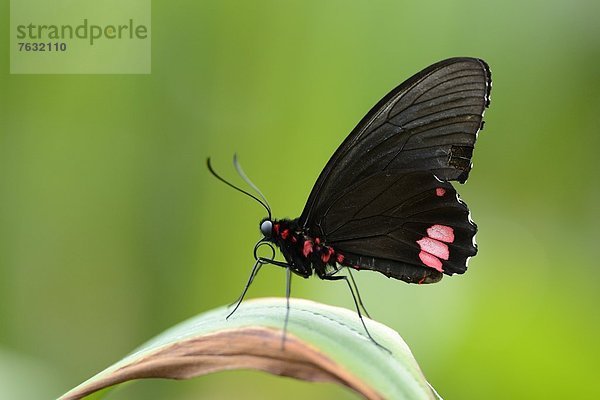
[328, 274]
[274, 262]
[288, 290]
[259, 263]
[362, 321]
[250, 280]
[357, 293]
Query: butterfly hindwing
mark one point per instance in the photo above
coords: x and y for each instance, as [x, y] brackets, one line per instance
[401, 224]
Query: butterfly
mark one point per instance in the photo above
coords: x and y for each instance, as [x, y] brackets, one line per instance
[384, 201]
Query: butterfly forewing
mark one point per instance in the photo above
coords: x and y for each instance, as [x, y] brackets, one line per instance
[428, 123]
[384, 198]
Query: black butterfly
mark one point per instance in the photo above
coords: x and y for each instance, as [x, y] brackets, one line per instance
[384, 201]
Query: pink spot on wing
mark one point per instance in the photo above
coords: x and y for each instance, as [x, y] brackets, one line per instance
[276, 229]
[307, 248]
[340, 258]
[434, 247]
[440, 192]
[285, 234]
[431, 261]
[441, 232]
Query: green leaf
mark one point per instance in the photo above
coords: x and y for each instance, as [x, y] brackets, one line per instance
[322, 343]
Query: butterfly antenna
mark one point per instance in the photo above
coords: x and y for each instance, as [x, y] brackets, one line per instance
[263, 203]
[241, 173]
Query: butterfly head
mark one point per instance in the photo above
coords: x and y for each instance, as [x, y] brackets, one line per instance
[266, 228]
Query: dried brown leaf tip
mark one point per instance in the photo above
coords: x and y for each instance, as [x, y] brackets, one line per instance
[257, 348]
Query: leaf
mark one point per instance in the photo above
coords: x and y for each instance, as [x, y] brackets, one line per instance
[322, 343]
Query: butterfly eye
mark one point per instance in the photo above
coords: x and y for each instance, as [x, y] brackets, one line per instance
[266, 228]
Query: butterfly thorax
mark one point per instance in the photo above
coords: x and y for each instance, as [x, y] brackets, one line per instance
[303, 252]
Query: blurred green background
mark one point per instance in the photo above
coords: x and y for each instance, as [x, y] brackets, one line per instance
[111, 228]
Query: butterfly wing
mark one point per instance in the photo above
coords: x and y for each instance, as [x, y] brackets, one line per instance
[409, 226]
[427, 126]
